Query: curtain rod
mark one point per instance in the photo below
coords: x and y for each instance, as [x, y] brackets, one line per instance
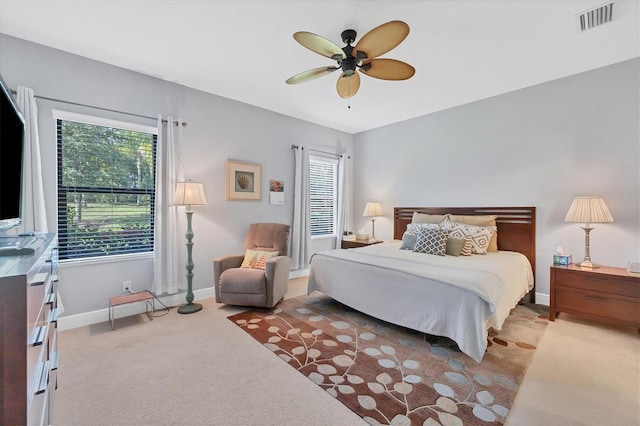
[317, 150]
[164, 120]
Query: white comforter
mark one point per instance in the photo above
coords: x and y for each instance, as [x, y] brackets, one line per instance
[457, 297]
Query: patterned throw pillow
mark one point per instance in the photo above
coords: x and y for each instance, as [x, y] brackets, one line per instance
[479, 220]
[257, 259]
[432, 241]
[410, 236]
[467, 248]
[455, 245]
[480, 236]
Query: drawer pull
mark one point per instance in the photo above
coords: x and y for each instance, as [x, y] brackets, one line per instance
[44, 378]
[39, 279]
[37, 337]
[601, 299]
[54, 361]
[590, 278]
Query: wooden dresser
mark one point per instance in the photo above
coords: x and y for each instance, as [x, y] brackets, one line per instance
[28, 322]
[605, 293]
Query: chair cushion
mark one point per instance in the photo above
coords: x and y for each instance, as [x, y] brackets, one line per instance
[243, 280]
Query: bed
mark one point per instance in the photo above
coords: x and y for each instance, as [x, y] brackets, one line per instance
[457, 297]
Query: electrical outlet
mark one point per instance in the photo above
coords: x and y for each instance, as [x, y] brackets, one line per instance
[126, 286]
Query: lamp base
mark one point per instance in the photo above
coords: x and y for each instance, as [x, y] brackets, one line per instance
[189, 308]
[587, 264]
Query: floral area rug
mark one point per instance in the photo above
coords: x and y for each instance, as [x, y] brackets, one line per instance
[391, 375]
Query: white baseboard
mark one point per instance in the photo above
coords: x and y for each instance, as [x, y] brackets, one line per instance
[299, 273]
[102, 315]
[542, 299]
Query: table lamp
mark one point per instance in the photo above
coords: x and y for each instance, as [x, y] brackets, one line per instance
[189, 194]
[372, 210]
[588, 210]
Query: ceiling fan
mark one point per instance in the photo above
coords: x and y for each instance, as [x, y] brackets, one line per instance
[362, 57]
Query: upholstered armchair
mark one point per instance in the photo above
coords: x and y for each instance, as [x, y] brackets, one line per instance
[255, 280]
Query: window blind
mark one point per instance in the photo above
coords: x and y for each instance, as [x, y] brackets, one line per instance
[106, 190]
[322, 196]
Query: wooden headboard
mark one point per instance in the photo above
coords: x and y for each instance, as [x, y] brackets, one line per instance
[516, 226]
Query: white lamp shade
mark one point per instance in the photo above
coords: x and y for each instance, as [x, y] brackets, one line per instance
[189, 194]
[590, 209]
[372, 209]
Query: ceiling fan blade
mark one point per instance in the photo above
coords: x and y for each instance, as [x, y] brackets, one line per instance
[319, 44]
[310, 75]
[388, 69]
[348, 86]
[382, 39]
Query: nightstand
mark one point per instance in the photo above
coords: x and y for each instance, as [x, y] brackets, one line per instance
[606, 293]
[358, 243]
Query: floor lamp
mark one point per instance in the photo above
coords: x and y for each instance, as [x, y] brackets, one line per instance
[189, 194]
[588, 210]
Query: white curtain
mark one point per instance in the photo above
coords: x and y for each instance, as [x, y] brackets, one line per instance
[344, 198]
[34, 213]
[301, 230]
[169, 273]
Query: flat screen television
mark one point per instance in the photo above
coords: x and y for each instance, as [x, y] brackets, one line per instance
[12, 127]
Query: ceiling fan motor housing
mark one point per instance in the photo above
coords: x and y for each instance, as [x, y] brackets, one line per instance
[348, 36]
[351, 62]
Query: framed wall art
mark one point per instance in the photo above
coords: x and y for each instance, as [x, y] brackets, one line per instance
[244, 180]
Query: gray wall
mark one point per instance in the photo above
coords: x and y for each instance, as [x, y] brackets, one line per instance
[540, 146]
[218, 129]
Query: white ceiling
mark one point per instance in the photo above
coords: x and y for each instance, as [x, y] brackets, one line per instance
[463, 51]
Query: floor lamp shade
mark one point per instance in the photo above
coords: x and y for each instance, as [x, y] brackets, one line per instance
[372, 210]
[588, 210]
[189, 194]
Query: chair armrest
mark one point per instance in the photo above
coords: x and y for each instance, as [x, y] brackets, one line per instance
[221, 264]
[277, 278]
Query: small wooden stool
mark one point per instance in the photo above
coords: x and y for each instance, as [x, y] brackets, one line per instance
[131, 298]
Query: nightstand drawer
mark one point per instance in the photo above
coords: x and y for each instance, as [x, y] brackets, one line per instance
[597, 304]
[598, 282]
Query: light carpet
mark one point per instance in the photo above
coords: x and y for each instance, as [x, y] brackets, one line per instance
[201, 369]
[391, 375]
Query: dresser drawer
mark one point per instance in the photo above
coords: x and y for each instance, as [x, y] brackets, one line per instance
[598, 282]
[597, 304]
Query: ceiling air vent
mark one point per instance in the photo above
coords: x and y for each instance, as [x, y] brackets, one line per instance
[594, 17]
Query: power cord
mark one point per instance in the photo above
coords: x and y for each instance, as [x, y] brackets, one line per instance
[168, 309]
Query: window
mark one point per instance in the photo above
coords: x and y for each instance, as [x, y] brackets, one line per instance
[106, 186]
[323, 179]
